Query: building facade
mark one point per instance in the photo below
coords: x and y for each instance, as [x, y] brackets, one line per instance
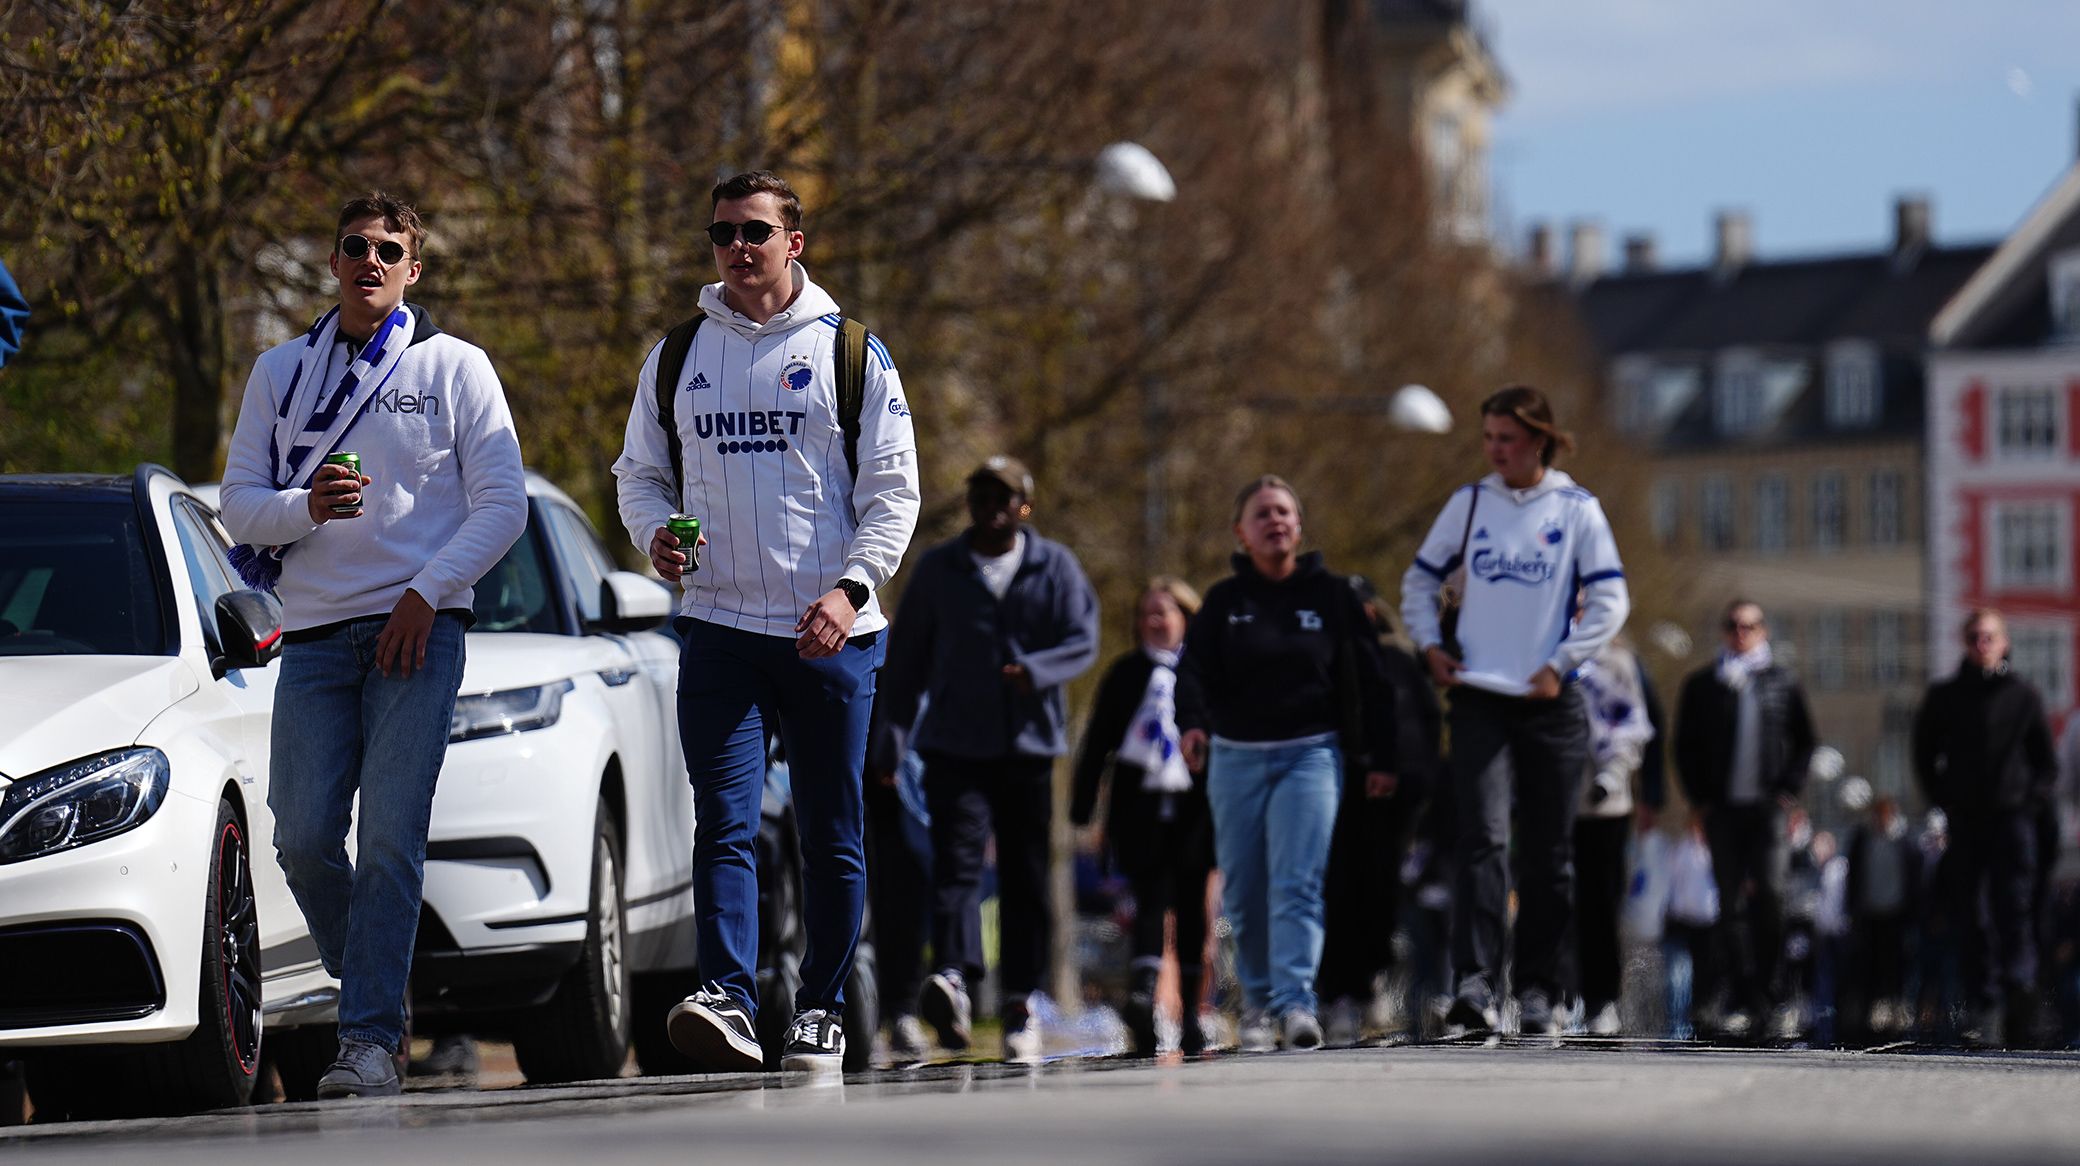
[2004, 452]
[1781, 405]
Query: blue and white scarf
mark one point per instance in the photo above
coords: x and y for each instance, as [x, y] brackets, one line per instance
[1152, 739]
[310, 422]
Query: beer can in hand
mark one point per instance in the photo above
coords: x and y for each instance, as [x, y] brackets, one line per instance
[353, 462]
[687, 529]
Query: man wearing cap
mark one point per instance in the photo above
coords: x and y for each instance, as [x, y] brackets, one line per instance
[992, 626]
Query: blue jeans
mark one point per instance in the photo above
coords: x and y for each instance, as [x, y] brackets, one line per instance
[730, 681]
[340, 726]
[1273, 812]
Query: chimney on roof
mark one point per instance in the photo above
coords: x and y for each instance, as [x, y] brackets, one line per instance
[1538, 251]
[1734, 242]
[1639, 253]
[1911, 220]
[1584, 252]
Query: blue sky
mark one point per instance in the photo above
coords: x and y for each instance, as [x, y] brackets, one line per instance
[1650, 115]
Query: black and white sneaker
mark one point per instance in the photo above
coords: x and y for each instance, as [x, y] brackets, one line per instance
[715, 1029]
[815, 1043]
[945, 1006]
[1473, 1012]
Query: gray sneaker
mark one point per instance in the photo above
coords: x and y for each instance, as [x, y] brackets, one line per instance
[945, 1006]
[1257, 1034]
[362, 1069]
[1535, 1014]
[1302, 1030]
[906, 1039]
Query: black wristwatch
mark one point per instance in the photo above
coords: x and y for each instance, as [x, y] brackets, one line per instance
[855, 591]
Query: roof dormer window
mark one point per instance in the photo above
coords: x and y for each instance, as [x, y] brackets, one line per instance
[1854, 391]
[2064, 273]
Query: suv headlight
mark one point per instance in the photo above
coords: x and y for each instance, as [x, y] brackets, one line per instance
[516, 710]
[81, 801]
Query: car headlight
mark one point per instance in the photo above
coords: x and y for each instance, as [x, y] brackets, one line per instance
[81, 801]
[516, 710]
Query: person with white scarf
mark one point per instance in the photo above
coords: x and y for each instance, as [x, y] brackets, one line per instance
[1625, 779]
[1744, 743]
[375, 571]
[1156, 828]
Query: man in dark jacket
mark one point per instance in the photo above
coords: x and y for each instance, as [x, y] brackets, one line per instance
[1982, 752]
[994, 624]
[1744, 741]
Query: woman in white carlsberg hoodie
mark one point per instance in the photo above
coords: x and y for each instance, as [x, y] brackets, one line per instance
[1528, 541]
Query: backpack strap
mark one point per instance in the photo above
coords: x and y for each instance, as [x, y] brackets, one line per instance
[677, 344]
[851, 379]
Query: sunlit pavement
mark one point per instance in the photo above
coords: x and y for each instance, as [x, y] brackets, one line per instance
[1519, 1103]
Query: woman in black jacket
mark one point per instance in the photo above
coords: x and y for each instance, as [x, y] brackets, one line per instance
[1156, 826]
[1281, 668]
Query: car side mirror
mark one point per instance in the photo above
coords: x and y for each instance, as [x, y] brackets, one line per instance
[629, 602]
[249, 626]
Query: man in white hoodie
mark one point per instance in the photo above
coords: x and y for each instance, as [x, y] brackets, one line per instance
[375, 571]
[801, 525]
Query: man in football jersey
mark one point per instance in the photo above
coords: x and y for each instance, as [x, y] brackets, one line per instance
[779, 607]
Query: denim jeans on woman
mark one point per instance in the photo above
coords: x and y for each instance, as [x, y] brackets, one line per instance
[1274, 808]
[340, 726]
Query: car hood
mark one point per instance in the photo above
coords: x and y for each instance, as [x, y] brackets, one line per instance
[497, 661]
[54, 709]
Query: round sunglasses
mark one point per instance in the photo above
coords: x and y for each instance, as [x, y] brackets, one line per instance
[755, 232]
[355, 247]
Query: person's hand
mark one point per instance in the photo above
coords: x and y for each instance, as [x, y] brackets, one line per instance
[666, 556]
[1090, 839]
[334, 486]
[825, 627]
[1444, 667]
[1381, 785]
[402, 644]
[1017, 677]
[1193, 745]
[1545, 684]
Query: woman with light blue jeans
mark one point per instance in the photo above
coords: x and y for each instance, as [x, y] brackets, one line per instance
[1281, 690]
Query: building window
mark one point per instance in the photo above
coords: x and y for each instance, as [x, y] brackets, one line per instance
[1853, 388]
[2028, 423]
[2044, 657]
[1737, 394]
[1826, 648]
[1772, 513]
[1828, 511]
[2029, 546]
[1887, 635]
[1668, 512]
[1715, 507]
[2065, 295]
[1887, 508]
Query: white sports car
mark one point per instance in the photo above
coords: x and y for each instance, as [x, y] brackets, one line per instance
[145, 953]
[559, 874]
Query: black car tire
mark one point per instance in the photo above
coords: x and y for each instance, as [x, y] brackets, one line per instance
[654, 995]
[583, 1032]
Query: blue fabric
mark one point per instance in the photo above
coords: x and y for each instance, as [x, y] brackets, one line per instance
[730, 682]
[14, 312]
[341, 726]
[1273, 812]
[952, 638]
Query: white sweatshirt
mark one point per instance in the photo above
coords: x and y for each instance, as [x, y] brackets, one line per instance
[447, 500]
[765, 466]
[1527, 555]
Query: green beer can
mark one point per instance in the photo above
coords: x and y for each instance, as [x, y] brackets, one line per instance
[353, 462]
[687, 529]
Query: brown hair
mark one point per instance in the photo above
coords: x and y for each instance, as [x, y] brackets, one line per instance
[1529, 408]
[1982, 613]
[1260, 484]
[396, 214]
[761, 182]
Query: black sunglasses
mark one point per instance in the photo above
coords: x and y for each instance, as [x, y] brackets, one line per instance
[355, 247]
[755, 233]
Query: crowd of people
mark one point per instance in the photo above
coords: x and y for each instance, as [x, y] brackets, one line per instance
[1271, 735]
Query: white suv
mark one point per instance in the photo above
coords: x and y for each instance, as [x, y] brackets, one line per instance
[559, 873]
[143, 949]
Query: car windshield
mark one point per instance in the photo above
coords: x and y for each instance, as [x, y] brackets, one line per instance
[75, 580]
[516, 596]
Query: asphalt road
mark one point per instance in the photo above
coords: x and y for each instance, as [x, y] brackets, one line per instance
[1607, 1103]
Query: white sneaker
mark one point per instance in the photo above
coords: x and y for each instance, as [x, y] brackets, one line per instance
[906, 1039]
[1302, 1030]
[1257, 1034]
[1022, 1042]
[1605, 1022]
